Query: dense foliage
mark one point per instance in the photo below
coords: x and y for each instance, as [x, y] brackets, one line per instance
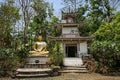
[106, 47]
[109, 31]
[9, 15]
[10, 60]
[106, 54]
[57, 55]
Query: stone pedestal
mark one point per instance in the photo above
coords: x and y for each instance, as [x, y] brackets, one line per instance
[38, 59]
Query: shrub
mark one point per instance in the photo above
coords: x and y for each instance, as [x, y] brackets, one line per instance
[9, 61]
[22, 53]
[56, 55]
[56, 58]
[106, 53]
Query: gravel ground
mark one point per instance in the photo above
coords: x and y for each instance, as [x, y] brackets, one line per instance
[72, 76]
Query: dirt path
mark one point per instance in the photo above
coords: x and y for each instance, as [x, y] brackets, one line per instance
[72, 76]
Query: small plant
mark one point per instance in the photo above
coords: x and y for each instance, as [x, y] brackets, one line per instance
[55, 68]
[57, 59]
[56, 55]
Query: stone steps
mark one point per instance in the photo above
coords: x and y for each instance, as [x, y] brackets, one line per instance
[72, 69]
[31, 75]
[75, 68]
[35, 66]
[33, 72]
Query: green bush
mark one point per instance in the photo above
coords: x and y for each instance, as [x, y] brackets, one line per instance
[56, 55]
[106, 53]
[9, 61]
[22, 53]
[56, 58]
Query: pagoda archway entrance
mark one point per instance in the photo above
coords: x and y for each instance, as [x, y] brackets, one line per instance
[71, 50]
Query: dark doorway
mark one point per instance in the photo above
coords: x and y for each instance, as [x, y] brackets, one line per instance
[71, 50]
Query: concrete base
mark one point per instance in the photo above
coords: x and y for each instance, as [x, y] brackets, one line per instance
[38, 59]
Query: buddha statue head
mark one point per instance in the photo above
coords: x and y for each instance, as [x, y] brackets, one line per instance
[40, 38]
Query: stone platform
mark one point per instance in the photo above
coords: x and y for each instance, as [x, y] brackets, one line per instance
[36, 66]
[38, 60]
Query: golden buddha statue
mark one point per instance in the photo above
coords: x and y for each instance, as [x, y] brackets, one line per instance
[39, 48]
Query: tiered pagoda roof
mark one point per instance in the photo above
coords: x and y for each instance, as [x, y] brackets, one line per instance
[71, 37]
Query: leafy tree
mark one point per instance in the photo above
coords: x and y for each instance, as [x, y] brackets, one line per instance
[80, 14]
[106, 46]
[9, 14]
[109, 31]
[40, 25]
[102, 9]
[53, 30]
[98, 12]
